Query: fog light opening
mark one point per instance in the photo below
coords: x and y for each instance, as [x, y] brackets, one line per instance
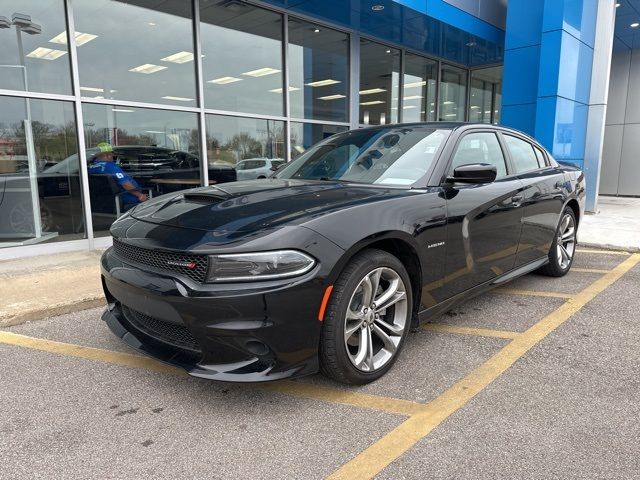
[257, 348]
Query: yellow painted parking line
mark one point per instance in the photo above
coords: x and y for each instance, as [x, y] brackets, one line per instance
[589, 270]
[533, 293]
[89, 353]
[345, 397]
[392, 445]
[481, 332]
[602, 252]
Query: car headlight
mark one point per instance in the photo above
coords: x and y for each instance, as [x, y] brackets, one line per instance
[239, 267]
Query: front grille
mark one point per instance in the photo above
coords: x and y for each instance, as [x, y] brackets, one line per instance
[162, 260]
[175, 335]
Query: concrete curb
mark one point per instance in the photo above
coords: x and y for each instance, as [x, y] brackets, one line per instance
[52, 311]
[606, 246]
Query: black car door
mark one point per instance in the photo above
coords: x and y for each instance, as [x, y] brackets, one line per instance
[484, 220]
[543, 186]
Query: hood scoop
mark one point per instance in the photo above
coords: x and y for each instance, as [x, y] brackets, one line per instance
[206, 197]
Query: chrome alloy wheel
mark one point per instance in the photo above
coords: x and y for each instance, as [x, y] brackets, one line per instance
[376, 319]
[566, 242]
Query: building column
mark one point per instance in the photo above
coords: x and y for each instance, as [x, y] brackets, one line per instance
[556, 67]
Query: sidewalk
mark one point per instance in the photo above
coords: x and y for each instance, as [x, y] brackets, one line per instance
[47, 286]
[616, 226]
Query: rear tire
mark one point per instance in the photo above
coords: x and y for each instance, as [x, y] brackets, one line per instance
[361, 340]
[563, 247]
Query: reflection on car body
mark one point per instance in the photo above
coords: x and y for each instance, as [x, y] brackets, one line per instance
[329, 264]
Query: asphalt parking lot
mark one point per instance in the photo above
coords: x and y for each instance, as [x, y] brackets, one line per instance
[537, 380]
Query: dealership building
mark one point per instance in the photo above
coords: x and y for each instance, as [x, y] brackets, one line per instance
[195, 92]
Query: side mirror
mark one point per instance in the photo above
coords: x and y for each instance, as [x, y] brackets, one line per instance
[474, 173]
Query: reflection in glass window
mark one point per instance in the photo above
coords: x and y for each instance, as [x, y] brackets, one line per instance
[390, 156]
[480, 148]
[34, 54]
[254, 147]
[522, 155]
[318, 72]
[419, 87]
[453, 94]
[40, 190]
[138, 153]
[379, 83]
[136, 50]
[485, 89]
[305, 135]
[242, 58]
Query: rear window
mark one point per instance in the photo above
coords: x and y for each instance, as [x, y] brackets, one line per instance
[522, 155]
[542, 162]
[251, 164]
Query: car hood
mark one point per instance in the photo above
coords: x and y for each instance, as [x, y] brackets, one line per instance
[239, 208]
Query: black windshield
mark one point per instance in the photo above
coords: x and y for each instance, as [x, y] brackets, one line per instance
[387, 156]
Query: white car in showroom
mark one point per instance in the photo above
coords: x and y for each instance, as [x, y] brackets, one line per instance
[252, 168]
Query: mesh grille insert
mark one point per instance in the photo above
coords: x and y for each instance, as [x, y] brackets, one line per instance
[191, 265]
[176, 335]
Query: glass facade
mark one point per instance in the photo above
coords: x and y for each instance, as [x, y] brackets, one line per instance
[128, 51]
[318, 72]
[40, 188]
[379, 83]
[419, 89]
[184, 93]
[486, 95]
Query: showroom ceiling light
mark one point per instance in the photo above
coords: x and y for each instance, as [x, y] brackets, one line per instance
[81, 38]
[371, 90]
[279, 90]
[635, 25]
[415, 84]
[413, 97]
[46, 53]
[372, 102]
[92, 89]
[155, 131]
[448, 102]
[123, 110]
[323, 83]
[147, 68]
[180, 57]
[178, 99]
[224, 80]
[331, 97]
[408, 107]
[261, 72]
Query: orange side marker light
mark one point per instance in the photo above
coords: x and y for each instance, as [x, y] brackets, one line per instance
[325, 300]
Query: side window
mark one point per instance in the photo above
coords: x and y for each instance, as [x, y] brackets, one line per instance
[541, 158]
[522, 154]
[480, 148]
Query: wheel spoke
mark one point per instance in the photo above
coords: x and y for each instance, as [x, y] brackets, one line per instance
[397, 296]
[369, 349]
[564, 254]
[351, 329]
[568, 235]
[389, 344]
[363, 347]
[565, 223]
[367, 293]
[393, 329]
[374, 278]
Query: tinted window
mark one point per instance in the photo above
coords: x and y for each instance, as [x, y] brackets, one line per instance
[392, 156]
[522, 155]
[541, 159]
[480, 148]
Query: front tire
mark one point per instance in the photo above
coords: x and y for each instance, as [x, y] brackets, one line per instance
[367, 318]
[563, 247]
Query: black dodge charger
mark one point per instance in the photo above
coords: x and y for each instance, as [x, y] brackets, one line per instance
[329, 264]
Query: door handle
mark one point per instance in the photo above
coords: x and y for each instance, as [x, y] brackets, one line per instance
[517, 200]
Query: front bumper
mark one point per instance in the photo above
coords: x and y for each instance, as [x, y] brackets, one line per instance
[249, 332]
